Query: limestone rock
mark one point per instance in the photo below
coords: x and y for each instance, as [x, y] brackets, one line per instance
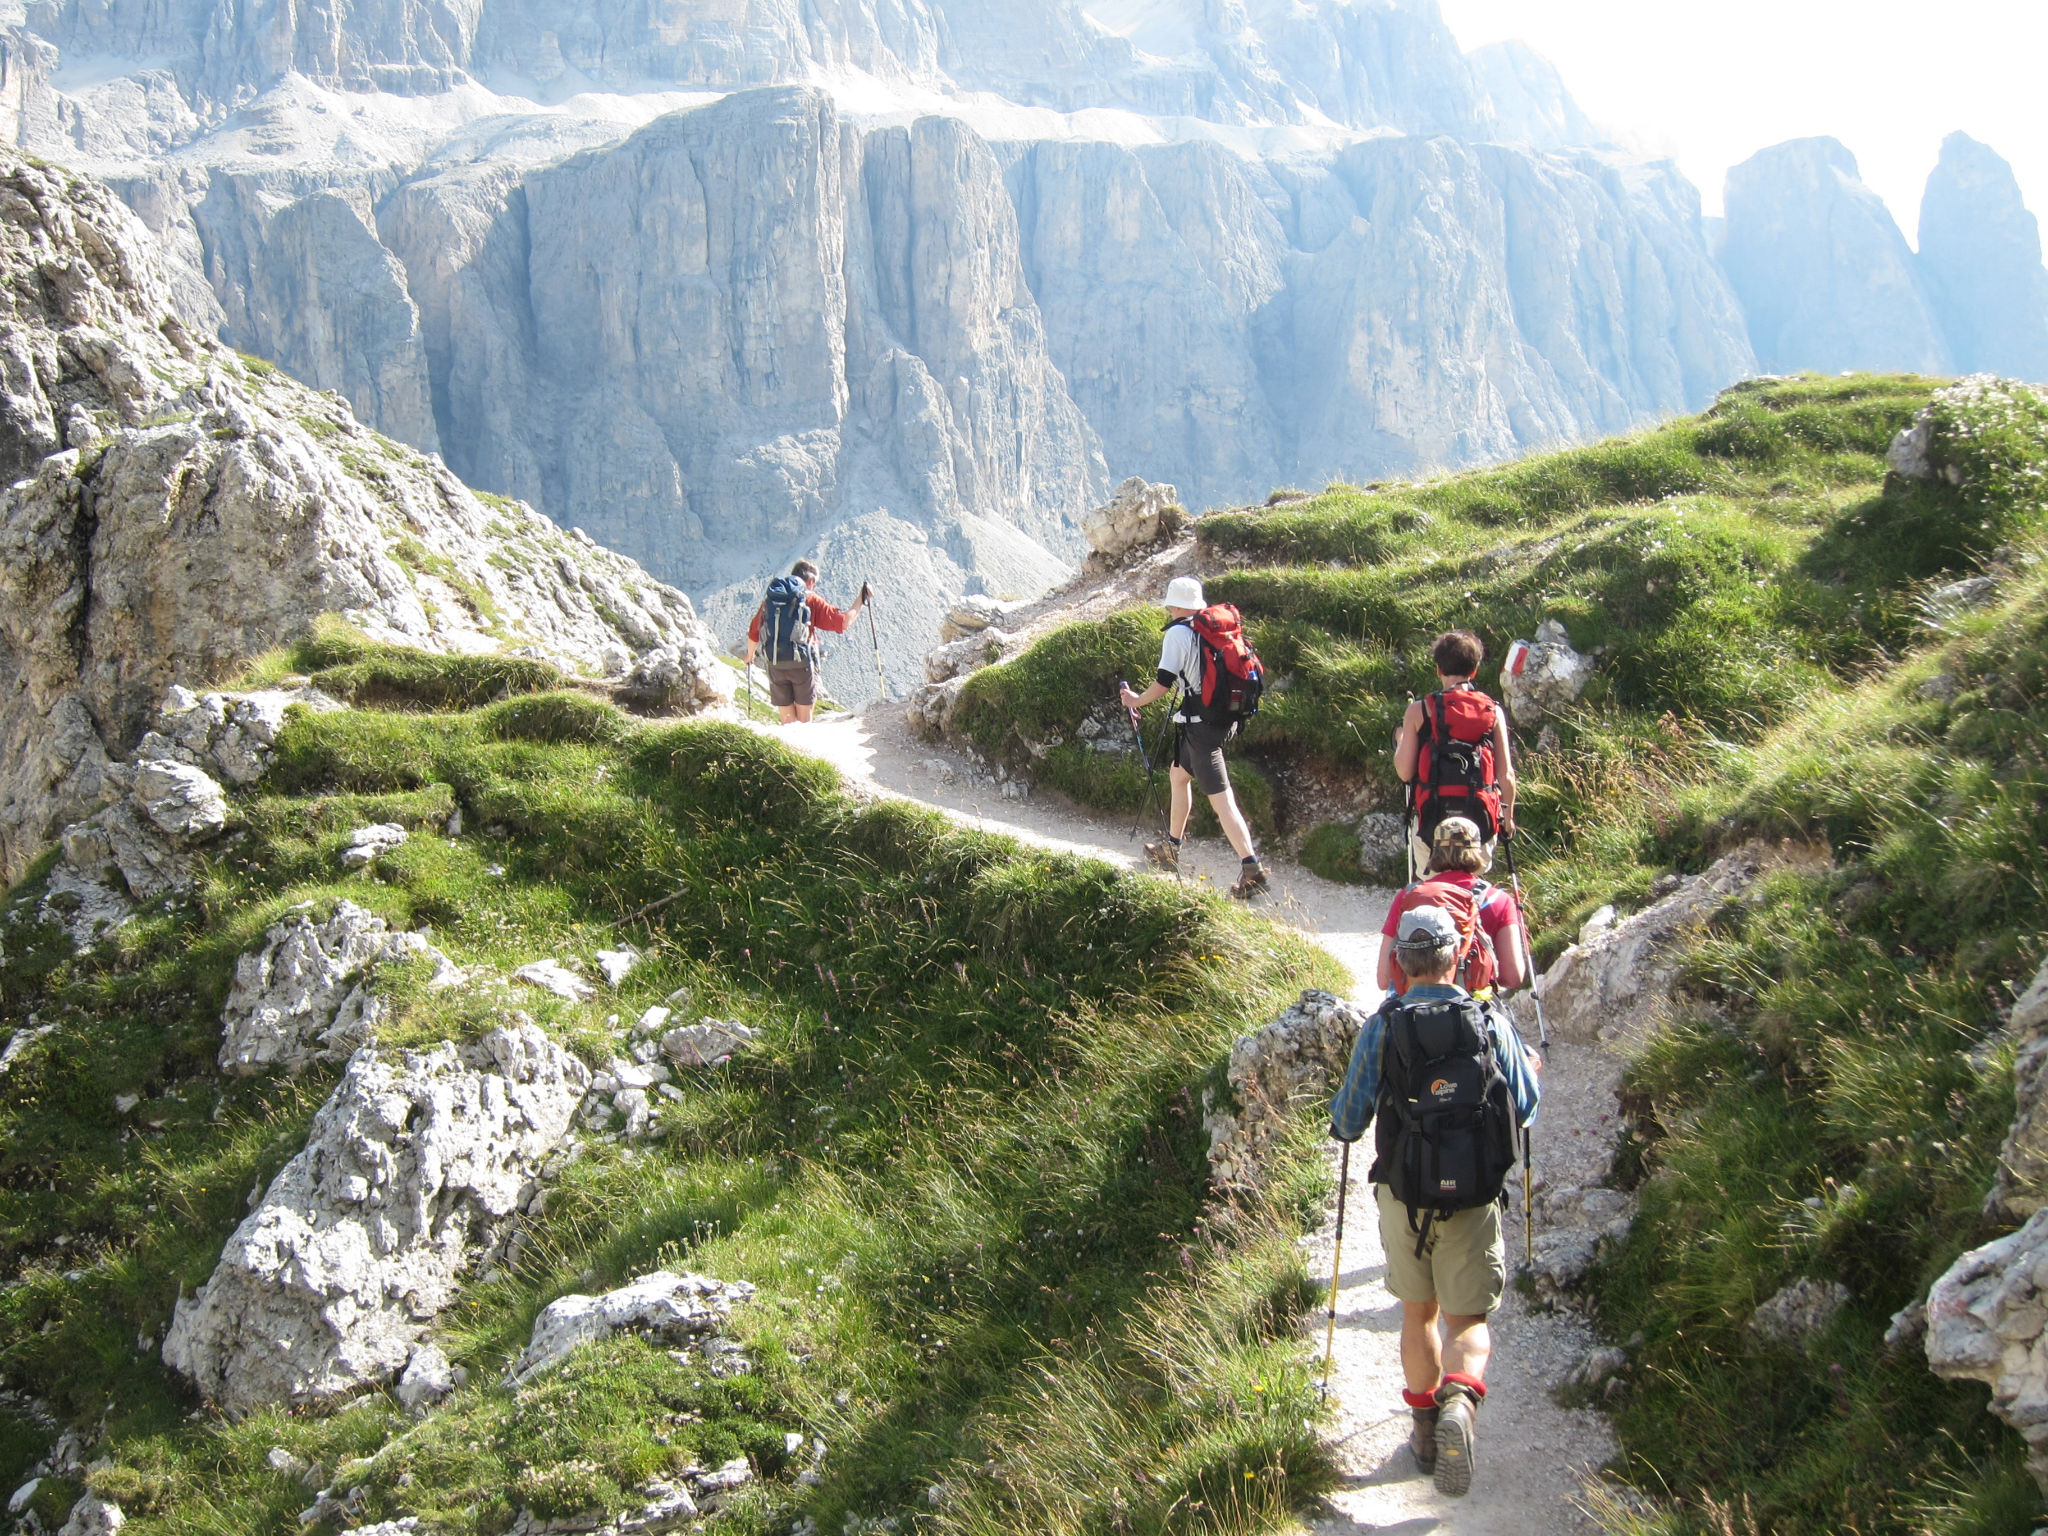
[688, 675]
[706, 1044]
[553, 976]
[93, 1516]
[1823, 272]
[1980, 252]
[664, 1304]
[1552, 678]
[1625, 976]
[1138, 514]
[183, 801]
[2021, 1187]
[366, 844]
[232, 734]
[930, 710]
[1985, 1322]
[1799, 1311]
[963, 655]
[304, 994]
[972, 615]
[412, 1168]
[428, 1378]
[1383, 845]
[1302, 1053]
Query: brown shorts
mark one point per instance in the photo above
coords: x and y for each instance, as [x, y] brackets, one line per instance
[1198, 749]
[791, 682]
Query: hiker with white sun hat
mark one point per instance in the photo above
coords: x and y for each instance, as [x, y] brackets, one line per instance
[1204, 656]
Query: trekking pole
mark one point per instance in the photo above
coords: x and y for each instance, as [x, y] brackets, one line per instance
[1151, 777]
[1336, 1266]
[875, 639]
[1408, 826]
[1507, 847]
[1528, 1202]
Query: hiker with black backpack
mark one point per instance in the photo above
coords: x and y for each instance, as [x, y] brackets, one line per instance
[1205, 656]
[1449, 1084]
[1492, 948]
[1452, 750]
[782, 628]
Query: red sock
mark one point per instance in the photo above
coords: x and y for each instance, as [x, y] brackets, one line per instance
[1418, 1399]
[1461, 1379]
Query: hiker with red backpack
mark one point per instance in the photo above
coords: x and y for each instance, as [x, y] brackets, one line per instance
[1449, 1084]
[1205, 656]
[783, 626]
[1452, 750]
[1491, 945]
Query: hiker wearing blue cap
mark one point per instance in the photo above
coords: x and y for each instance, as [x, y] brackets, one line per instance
[1449, 1083]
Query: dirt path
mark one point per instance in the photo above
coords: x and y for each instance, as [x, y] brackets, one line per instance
[1533, 1455]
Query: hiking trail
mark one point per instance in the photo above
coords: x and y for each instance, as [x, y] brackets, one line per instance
[1534, 1456]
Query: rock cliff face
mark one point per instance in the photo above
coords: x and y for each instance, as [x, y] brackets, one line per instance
[179, 512]
[1827, 280]
[1980, 250]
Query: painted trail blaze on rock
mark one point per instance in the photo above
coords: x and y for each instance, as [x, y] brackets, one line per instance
[410, 1170]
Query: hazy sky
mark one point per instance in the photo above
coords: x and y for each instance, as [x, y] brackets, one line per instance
[1710, 84]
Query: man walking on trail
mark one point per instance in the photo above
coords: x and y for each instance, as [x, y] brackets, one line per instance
[1197, 743]
[1492, 947]
[1449, 1082]
[1452, 748]
[787, 616]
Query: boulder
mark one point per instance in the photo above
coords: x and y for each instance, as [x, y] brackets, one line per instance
[428, 1378]
[304, 995]
[963, 654]
[180, 800]
[232, 734]
[553, 976]
[1985, 1322]
[1625, 976]
[687, 675]
[1552, 678]
[2021, 1187]
[1138, 514]
[412, 1169]
[930, 710]
[367, 844]
[93, 1516]
[706, 1043]
[664, 1304]
[971, 615]
[1303, 1053]
[1799, 1311]
[1383, 845]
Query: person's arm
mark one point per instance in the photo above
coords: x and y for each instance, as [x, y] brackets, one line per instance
[832, 620]
[1504, 771]
[1163, 677]
[1388, 972]
[754, 633]
[1408, 741]
[1351, 1110]
[1508, 952]
[1521, 1066]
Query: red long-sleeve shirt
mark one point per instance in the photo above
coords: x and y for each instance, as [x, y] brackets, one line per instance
[822, 615]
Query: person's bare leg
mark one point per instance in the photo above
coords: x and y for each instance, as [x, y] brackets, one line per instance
[1180, 800]
[1422, 1360]
[787, 711]
[1234, 828]
[1468, 1344]
[803, 713]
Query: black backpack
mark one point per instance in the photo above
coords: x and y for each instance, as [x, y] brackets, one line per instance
[1446, 1132]
[786, 620]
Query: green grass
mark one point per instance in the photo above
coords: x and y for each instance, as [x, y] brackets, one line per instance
[1755, 595]
[965, 1168]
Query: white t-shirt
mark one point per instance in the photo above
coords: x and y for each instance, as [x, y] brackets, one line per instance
[1181, 654]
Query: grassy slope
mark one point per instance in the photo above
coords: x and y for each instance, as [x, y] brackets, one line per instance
[1837, 1106]
[965, 1169]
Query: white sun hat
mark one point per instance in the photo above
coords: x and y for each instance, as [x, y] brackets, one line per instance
[1184, 592]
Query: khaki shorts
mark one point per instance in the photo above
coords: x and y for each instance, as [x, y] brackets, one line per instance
[791, 683]
[1464, 1267]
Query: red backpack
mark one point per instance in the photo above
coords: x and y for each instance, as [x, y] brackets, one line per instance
[1454, 771]
[1478, 966]
[1232, 676]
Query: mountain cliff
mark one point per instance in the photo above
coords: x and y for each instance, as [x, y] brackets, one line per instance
[1980, 250]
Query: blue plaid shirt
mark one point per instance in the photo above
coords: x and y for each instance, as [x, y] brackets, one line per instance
[1351, 1111]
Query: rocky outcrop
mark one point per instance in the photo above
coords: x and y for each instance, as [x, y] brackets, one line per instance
[1303, 1053]
[2021, 1188]
[1621, 980]
[412, 1170]
[182, 512]
[681, 1308]
[1985, 1322]
[1980, 253]
[1799, 1312]
[1138, 514]
[304, 995]
[1825, 277]
[1551, 679]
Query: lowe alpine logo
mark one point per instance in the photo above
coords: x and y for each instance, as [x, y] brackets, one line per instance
[1447, 1186]
[1442, 1088]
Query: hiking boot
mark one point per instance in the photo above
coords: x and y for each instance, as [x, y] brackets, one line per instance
[1422, 1438]
[1250, 882]
[1164, 854]
[1457, 1435]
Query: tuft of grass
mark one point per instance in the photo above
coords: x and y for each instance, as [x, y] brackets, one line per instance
[1331, 849]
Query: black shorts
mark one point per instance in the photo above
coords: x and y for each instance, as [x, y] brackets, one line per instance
[791, 682]
[1198, 748]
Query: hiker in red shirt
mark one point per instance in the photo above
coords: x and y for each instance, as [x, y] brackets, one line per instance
[788, 615]
[1493, 948]
[1470, 771]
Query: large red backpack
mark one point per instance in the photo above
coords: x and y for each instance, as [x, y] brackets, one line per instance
[1454, 769]
[1232, 677]
[1478, 966]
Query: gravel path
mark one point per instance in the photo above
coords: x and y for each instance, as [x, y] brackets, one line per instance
[1533, 1456]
